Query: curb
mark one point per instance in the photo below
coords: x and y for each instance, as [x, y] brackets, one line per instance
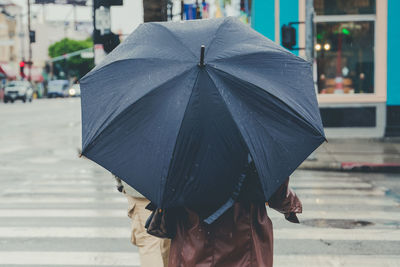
[350, 166]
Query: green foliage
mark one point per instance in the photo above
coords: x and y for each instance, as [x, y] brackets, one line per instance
[75, 66]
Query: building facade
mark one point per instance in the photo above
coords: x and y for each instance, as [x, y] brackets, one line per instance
[354, 59]
[9, 40]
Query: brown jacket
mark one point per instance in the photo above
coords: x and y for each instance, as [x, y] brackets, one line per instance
[242, 236]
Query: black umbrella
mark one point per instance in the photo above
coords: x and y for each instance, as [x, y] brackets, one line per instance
[178, 122]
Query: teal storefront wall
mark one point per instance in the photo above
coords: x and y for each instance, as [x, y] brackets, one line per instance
[393, 54]
[263, 17]
[289, 12]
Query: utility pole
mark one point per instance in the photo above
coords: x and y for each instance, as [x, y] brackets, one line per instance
[29, 40]
[309, 30]
[21, 36]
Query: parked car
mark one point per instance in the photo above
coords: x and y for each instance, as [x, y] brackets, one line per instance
[75, 90]
[14, 90]
[57, 88]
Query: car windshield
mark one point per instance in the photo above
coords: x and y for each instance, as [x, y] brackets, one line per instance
[58, 85]
[14, 84]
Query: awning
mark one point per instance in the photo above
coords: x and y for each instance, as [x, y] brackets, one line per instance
[7, 71]
[36, 74]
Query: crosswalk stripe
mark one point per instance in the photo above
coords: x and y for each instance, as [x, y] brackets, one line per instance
[111, 191]
[338, 234]
[61, 200]
[349, 201]
[341, 192]
[317, 200]
[310, 214]
[353, 215]
[124, 232]
[316, 260]
[84, 185]
[330, 184]
[62, 190]
[132, 259]
[70, 258]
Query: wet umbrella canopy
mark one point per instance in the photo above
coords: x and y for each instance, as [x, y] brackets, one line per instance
[180, 129]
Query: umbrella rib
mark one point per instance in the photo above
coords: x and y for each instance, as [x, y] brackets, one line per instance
[230, 113]
[104, 126]
[176, 38]
[177, 136]
[302, 119]
[272, 52]
[99, 67]
[215, 35]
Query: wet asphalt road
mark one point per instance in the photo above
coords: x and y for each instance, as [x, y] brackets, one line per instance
[60, 210]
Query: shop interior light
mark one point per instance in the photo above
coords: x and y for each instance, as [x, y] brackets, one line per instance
[318, 47]
[327, 46]
[345, 31]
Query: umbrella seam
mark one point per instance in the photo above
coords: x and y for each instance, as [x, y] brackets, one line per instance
[215, 35]
[283, 102]
[96, 70]
[100, 131]
[177, 136]
[230, 113]
[176, 38]
[261, 52]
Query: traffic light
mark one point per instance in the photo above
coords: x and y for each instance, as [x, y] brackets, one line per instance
[21, 69]
[102, 24]
[107, 3]
[32, 36]
[110, 41]
[288, 36]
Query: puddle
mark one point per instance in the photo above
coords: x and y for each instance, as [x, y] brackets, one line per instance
[331, 223]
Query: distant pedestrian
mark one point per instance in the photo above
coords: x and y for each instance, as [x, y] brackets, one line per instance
[153, 251]
[241, 236]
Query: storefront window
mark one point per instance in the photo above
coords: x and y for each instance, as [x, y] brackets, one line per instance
[345, 57]
[344, 7]
[344, 46]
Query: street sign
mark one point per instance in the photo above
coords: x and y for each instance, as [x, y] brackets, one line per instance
[87, 55]
[103, 20]
[62, 2]
[99, 53]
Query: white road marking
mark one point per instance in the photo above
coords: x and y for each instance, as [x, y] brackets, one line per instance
[349, 201]
[70, 258]
[316, 260]
[61, 190]
[330, 184]
[62, 213]
[368, 215]
[61, 200]
[132, 258]
[340, 192]
[310, 214]
[317, 200]
[338, 234]
[124, 232]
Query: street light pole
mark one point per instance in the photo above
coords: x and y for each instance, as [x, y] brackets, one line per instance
[309, 30]
[29, 40]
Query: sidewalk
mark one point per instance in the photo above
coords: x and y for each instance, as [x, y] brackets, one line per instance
[365, 155]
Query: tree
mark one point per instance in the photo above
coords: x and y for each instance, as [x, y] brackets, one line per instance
[73, 66]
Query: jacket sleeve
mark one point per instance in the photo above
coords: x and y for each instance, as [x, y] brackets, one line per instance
[285, 201]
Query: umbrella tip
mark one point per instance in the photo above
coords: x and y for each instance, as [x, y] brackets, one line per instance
[202, 50]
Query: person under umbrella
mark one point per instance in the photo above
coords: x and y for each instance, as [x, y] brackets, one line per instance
[241, 236]
[183, 110]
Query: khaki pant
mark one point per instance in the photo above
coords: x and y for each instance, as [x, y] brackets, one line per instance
[153, 251]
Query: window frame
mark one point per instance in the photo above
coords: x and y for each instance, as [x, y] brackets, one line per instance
[380, 54]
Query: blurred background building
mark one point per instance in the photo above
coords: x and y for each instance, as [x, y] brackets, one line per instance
[352, 44]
